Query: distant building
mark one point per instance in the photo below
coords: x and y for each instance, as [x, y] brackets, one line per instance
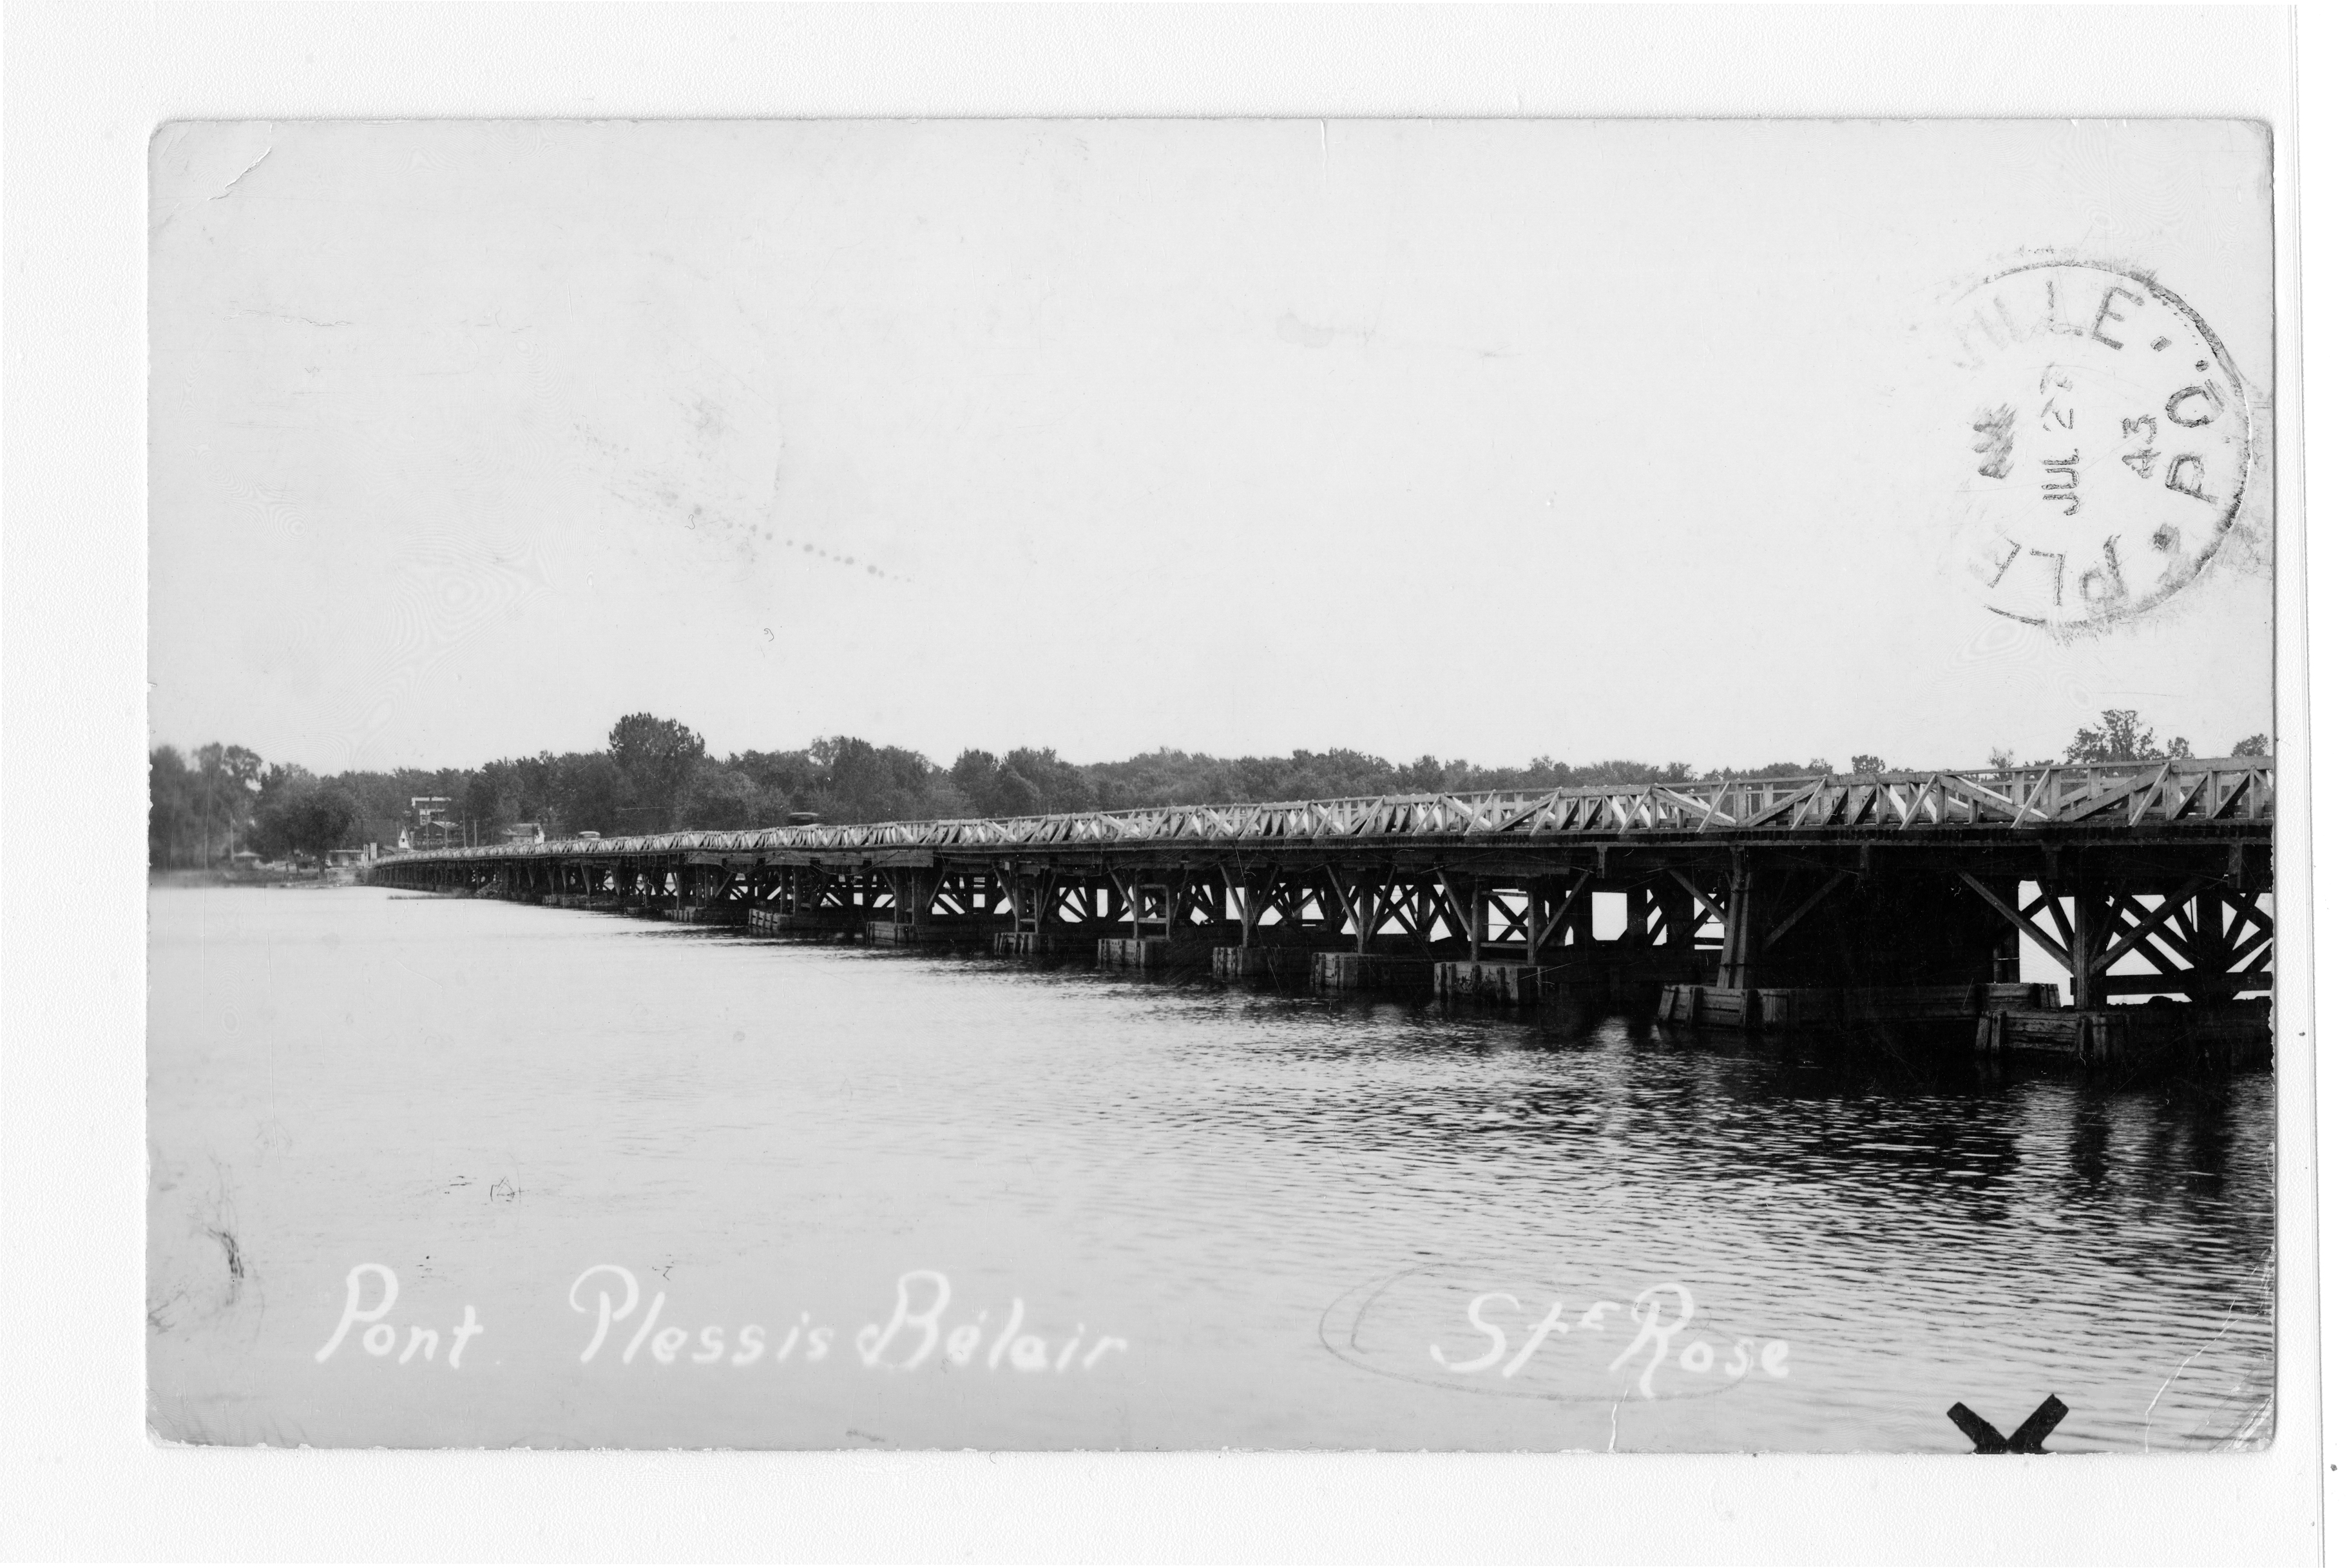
[433, 831]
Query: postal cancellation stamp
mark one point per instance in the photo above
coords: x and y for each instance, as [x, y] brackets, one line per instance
[2108, 447]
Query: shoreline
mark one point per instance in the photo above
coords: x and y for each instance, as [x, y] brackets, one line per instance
[214, 876]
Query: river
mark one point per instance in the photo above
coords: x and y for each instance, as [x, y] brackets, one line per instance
[653, 1186]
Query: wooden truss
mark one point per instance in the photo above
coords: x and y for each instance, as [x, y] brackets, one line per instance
[2123, 796]
[2204, 939]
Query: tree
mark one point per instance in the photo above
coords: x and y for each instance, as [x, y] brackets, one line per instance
[230, 780]
[2119, 736]
[232, 765]
[489, 801]
[1014, 794]
[323, 819]
[282, 781]
[1865, 763]
[1789, 769]
[308, 819]
[785, 778]
[721, 798]
[1425, 775]
[174, 823]
[656, 757]
[973, 777]
[993, 787]
[588, 793]
[1059, 785]
[2253, 746]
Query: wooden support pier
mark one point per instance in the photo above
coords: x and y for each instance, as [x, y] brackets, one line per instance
[827, 926]
[708, 913]
[1820, 1007]
[1370, 974]
[1875, 902]
[2235, 1034]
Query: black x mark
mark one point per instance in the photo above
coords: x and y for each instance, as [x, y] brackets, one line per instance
[2027, 1437]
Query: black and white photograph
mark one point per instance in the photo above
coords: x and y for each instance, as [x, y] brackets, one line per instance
[1119, 782]
[1264, 784]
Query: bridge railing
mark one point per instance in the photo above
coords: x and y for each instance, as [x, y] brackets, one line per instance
[2236, 788]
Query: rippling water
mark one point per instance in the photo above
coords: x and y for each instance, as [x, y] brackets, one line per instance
[1219, 1218]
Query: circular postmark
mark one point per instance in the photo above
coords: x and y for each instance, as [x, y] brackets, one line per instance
[2106, 446]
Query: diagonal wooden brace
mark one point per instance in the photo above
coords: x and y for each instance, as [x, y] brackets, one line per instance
[1564, 907]
[2146, 924]
[1702, 897]
[2022, 923]
[1834, 881]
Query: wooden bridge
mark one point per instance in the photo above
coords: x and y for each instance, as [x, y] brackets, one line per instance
[1752, 902]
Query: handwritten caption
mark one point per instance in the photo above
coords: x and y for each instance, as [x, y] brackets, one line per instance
[1513, 1335]
[916, 1332]
[381, 1337]
[1644, 1317]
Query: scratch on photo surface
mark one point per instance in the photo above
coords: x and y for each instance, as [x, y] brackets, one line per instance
[2266, 1278]
[225, 191]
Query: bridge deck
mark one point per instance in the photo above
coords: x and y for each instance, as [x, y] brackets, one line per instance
[2173, 802]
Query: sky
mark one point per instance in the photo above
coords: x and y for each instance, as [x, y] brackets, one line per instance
[1489, 439]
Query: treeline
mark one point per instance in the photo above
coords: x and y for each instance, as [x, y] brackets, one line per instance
[654, 775]
[203, 809]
